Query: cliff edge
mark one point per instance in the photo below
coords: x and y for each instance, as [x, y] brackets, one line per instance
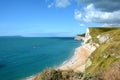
[97, 59]
[108, 51]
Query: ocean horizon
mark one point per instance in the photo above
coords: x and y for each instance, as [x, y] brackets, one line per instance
[21, 57]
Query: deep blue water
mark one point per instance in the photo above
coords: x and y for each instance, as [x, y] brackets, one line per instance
[21, 57]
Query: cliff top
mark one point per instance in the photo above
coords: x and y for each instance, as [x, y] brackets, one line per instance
[104, 62]
[108, 52]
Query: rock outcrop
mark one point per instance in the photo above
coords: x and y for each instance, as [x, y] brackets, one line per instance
[79, 38]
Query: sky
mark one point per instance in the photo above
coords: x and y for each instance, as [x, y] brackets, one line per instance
[56, 18]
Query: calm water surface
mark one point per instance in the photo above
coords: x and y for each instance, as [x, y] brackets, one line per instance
[21, 57]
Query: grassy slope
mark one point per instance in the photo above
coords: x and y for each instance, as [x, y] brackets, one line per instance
[102, 58]
[107, 53]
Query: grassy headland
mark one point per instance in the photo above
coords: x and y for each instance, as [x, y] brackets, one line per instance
[104, 61]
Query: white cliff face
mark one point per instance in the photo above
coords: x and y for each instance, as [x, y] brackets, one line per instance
[78, 61]
[90, 45]
[81, 59]
[103, 38]
[87, 36]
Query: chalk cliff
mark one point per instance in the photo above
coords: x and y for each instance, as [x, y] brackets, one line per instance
[97, 59]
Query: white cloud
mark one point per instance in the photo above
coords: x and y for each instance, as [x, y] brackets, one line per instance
[77, 15]
[50, 5]
[110, 25]
[91, 14]
[59, 3]
[82, 24]
[62, 3]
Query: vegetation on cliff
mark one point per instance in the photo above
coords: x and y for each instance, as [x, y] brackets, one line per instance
[52, 74]
[104, 61]
[108, 52]
[82, 35]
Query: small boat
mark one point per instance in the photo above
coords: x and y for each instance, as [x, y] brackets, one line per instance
[36, 46]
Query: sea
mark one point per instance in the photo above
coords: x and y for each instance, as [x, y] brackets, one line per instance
[21, 57]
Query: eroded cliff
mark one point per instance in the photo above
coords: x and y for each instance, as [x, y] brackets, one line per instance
[102, 64]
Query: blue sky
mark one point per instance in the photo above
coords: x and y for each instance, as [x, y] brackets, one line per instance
[44, 17]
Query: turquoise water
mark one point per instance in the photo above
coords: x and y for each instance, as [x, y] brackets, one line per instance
[21, 57]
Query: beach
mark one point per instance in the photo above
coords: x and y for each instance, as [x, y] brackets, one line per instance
[76, 62]
[29, 78]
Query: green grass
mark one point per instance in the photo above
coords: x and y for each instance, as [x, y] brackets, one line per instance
[102, 58]
[106, 54]
[94, 32]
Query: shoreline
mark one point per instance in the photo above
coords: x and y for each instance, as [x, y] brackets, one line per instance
[76, 62]
[55, 67]
[30, 78]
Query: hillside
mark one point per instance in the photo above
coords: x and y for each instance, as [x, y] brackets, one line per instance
[107, 53]
[102, 64]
